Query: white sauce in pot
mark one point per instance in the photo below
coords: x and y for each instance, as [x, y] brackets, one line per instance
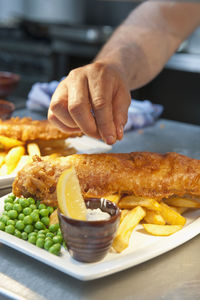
[97, 215]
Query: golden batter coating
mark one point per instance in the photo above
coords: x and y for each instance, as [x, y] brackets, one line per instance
[26, 129]
[143, 174]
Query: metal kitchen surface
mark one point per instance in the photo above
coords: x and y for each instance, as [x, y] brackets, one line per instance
[163, 136]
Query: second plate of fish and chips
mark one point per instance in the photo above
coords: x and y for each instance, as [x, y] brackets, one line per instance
[21, 139]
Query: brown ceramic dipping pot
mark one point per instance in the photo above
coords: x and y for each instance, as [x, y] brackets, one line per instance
[6, 109]
[8, 82]
[89, 241]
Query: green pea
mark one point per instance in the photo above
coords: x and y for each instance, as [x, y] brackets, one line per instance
[57, 246]
[11, 222]
[17, 233]
[24, 235]
[39, 225]
[21, 216]
[23, 202]
[28, 220]
[33, 206]
[41, 236]
[28, 228]
[44, 212]
[5, 213]
[47, 244]
[55, 249]
[10, 229]
[31, 200]
[27, 211]
[8, 200]
[2, 225]
[40, 243]
[57, 239]
[8, 206]
[12, 214]
[32, 239]
[17, 207]
[16, 201]
[19, 225]
[53, 227]
[35, 216]
[48, 238]
[45, 220]
[32, 233]
[4, 219]
[12, 196]
[42, 231]
[59, 231]
[50, 209]
[42, 206]
[50, 234]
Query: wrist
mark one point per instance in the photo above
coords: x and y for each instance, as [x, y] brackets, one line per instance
[112, 64]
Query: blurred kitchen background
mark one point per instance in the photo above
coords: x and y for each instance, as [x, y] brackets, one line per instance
[42, 40]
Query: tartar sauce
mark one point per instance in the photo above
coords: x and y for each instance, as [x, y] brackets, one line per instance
[97, 215]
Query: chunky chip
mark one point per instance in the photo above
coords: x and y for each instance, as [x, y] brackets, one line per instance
[161, 230]
[123, 214]
[24, 160]
[7, 143]
[171, 216]
[154, 217]
[13, 157]
[130, 202]
[114, 198]
[2, 158]
[33, 149]
[183, 202]
[179, 210]
[130, 221]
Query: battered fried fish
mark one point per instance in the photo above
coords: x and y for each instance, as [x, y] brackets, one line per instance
[26, 129]
[140, 173]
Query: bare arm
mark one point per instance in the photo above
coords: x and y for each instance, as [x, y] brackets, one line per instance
[142, 45]
[95, 98]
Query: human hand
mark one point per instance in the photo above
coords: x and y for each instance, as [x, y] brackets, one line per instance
[93, 99]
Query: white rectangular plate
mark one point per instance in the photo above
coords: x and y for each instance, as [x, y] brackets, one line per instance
[83, 144]
[142, 247]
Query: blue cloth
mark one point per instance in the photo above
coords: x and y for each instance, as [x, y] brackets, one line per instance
[140, 113]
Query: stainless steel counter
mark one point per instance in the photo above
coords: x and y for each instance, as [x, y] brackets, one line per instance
[172, 276]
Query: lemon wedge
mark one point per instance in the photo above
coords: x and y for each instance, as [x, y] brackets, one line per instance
[70, 199]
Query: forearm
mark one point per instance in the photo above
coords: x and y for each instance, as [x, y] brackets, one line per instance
[141, 46]
[95, 98]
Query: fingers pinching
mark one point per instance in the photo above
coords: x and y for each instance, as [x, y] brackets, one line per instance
[59, 105]
[57, 123]
[79, 106]
[92, 99]
[101, 89]
[121, 103]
